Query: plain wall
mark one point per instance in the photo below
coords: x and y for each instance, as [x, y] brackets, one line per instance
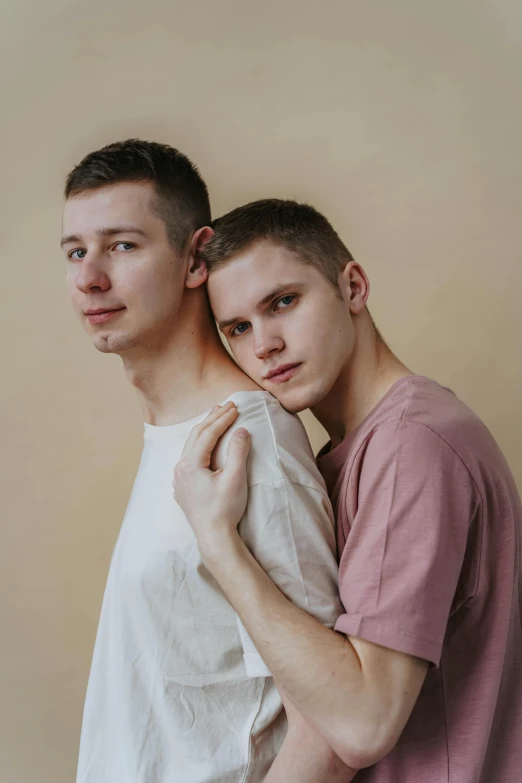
[401, 121]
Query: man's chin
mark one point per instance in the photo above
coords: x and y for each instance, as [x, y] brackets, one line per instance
[111, 343]
[103, 347]
[292, 400]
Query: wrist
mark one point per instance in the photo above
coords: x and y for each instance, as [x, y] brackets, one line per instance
[221, 550]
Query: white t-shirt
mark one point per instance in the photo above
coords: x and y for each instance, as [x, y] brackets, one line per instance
[177, 692]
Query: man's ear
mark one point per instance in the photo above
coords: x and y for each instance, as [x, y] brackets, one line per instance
[197, 269]
[355, 287]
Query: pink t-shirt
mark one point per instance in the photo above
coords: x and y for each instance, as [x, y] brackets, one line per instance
[429, 533]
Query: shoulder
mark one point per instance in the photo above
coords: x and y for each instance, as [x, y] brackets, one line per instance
[280, 449]
[419, 411]
[438, 407]
[419, 426]
[434, 413]
[416, 420]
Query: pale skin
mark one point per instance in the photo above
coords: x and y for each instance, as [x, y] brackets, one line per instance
[356, 696]
[119, 258]
[139, 297]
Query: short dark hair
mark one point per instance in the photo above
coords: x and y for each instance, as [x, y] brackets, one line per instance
[298, 227]
[181, 194]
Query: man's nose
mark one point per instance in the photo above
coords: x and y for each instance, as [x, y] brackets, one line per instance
[92, 275]
[266, 344]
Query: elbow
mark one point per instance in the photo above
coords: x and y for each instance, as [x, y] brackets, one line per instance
[362, 745]
[321, 759]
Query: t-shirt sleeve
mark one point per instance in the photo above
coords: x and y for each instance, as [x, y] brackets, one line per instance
[400, 568]
[288, 527]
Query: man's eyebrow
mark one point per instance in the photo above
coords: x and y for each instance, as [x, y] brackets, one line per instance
[69, 238]
[105, 232]
[272, 294]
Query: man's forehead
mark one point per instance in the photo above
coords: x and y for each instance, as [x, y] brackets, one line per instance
[269, 251]
[107, 205]
[258, 266]
[254, 277]
[234, 304]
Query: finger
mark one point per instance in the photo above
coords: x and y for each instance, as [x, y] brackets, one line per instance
[201, 451]
[237, 455]
[216, 412]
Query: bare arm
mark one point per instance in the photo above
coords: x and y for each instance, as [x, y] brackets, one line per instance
[357, 695]
[305, 756]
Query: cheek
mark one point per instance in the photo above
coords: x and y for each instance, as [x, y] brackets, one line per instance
[74, 294]
[308, 328]
[320, 330]
[149, 289]
[244, 356]
[70, 277]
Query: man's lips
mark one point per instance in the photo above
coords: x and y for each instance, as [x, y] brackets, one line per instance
[101, 315]
[282, 373]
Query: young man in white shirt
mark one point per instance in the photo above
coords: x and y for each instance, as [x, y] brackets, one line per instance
[177, 692]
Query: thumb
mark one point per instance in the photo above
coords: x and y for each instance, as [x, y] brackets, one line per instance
[237, 454]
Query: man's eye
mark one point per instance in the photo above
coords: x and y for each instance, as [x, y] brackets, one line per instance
[78, 254]
[239, 329]
[124, 246]
[285, 301]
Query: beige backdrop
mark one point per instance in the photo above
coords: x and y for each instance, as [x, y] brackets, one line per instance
[401, 120]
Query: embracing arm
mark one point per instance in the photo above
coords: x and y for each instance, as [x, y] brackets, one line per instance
[305, 756]
[355, 694]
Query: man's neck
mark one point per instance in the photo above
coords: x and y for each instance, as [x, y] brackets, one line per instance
[184, 375]
[370, 373]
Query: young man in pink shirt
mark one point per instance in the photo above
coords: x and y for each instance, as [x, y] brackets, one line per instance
[420, 682]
